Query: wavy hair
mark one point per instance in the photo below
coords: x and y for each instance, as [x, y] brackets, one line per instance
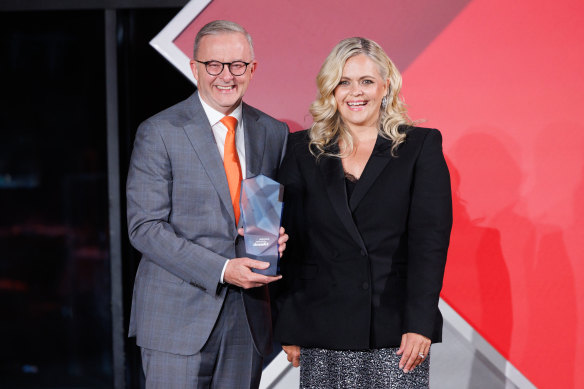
[328, 127]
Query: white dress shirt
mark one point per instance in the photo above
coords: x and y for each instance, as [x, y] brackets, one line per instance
[220, 131]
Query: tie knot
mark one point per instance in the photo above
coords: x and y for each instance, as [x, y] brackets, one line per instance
[230, 122]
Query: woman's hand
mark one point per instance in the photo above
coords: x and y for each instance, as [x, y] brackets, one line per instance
[282, 239]
[293, 353]
[413, 349]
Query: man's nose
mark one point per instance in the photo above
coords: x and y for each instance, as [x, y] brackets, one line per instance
[225, 73]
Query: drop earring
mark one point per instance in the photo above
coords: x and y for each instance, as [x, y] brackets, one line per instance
[384, 102]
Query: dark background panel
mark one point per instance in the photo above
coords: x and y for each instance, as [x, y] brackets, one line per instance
[54, 273]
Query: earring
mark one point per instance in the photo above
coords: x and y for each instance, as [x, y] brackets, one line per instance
[384, 102]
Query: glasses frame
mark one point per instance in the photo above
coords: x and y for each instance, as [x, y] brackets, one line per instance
[206, 63]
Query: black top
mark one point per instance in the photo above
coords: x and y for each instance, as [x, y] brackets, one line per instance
[350, 183]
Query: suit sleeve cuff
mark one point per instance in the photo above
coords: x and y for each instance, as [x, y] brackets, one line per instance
[221, 280]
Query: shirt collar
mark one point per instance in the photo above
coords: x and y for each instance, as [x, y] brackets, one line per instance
[215, 116]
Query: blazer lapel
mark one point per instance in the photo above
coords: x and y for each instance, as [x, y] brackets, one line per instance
[334, 178]
[380, 157]
[255, 138]
[200, 134]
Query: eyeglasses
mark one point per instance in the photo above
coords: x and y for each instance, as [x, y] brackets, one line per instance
[214, 68]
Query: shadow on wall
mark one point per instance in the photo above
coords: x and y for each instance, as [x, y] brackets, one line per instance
[493, 185]
[556, 211]
[509, 272]
[477, 282]
[542, 277]
[577, 231]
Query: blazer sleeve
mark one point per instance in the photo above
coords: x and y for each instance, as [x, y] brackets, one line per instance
[429, 225]
[149, 190]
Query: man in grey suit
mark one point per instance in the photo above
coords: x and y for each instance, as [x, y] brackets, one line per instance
[200, 315]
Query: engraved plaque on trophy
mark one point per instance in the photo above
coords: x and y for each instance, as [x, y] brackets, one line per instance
[261, 211]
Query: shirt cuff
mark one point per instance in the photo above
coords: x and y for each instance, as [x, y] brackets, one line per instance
[221, 280]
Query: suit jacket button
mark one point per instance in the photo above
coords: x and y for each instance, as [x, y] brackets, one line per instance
[365, 285]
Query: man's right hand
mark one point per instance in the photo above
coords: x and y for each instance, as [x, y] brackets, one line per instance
[238, 272]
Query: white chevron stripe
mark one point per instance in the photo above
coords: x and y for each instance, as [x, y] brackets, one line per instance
[464, 329]
[163, 41]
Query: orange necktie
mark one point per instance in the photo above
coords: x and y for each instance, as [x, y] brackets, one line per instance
[231, 164]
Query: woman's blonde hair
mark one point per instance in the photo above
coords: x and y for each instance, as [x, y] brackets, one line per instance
[328, 127]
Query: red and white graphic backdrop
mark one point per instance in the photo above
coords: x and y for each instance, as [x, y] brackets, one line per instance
[504, 82]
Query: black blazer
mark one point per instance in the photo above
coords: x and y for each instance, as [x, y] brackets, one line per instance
[360, 273]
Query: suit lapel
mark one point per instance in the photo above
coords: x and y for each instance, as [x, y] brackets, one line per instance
[255, 138]
[334, 178]
[380, 157]
[200, 134]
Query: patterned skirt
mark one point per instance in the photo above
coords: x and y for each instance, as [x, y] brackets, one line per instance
[379, 368]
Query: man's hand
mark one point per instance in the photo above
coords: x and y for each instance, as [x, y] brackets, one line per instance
[414, 349]
[293, 353]
[238, 272]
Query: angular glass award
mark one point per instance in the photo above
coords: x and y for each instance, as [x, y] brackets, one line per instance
[261, 210]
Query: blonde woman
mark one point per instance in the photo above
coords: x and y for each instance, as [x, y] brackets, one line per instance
[368, 211]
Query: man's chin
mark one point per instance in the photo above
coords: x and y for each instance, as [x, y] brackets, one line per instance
[228, 103]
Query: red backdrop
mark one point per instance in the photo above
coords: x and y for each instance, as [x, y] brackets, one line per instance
[504, 83]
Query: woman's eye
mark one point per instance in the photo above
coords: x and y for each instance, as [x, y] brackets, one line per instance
[344, 83]
[367, 82]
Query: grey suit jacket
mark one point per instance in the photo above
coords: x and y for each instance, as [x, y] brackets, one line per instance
[181, 219]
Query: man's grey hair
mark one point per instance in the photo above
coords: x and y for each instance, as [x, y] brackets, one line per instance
[220, 27]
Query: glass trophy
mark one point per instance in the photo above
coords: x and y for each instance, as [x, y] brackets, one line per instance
[261, 211]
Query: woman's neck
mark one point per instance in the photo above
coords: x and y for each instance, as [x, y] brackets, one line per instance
[362, 134]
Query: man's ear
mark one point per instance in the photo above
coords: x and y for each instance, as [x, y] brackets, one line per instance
[194, 69]
[252, 68]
